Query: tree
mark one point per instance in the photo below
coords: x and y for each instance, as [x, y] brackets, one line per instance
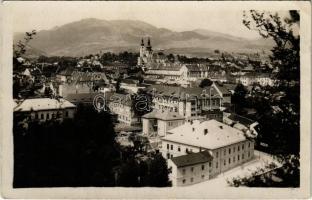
[282, 129]
[205, 83]
[239, 97]
[158, 172]
[286, 52]
[79, 152]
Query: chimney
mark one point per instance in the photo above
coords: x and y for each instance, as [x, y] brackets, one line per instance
[205, 131]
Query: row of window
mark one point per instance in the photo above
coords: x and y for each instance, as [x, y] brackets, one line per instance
[192, 179]
[230, 150]
[170, 147]
[49, 115]
[238, 158]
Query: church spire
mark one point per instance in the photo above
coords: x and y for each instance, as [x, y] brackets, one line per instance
[148, 42]
[142, 42]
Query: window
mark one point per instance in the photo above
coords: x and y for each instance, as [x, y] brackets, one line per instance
[171, 147]
[248, 144]
[192, 179]
[243, 146]
[193, 129]
[66, 114]
[224, 162]
[167, 146]
[229, 160]
[229, 150]
[209, 164]
[237, 157]
[179, 149]
[233, 159]
[238, 148]
[184, 181]
[186, 150]
[248, 154]
[216, 164]
[242, 156]
[217, 154]
[36, 116]
[171, 156]
[203, 176]
[168, 155]
[233, 149]
[42, 116]
[183, 171]
[224, 151]
[203, 167]
[192, 169]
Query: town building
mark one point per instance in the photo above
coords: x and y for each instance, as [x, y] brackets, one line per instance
[157, 122]
[263, 79]
[121, 105]
[228, 146]
[43, 109]
[188, 102]
[146, 53]
[190, 168]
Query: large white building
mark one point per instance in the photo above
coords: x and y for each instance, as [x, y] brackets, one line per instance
[228, 146]
[44, 109]
[188, 102]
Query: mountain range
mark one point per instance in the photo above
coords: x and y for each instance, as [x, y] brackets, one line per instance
[90, 36]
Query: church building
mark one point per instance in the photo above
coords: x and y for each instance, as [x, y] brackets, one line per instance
[146, 53]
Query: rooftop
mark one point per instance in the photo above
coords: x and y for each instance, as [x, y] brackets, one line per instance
[192, 159]
[43, 104]
[163, 115]
[182, 93]
[207, 134]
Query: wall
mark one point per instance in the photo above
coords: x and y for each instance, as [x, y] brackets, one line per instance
[188, 175]
[219, 157]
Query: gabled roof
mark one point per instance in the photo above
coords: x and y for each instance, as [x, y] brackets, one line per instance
[192, 159]
[217, 134]
[43, 104]
[82, 97]
[124, 99]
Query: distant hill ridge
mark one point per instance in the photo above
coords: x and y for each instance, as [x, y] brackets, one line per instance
[89, 36]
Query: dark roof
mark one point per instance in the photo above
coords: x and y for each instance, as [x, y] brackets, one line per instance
[241, 119]
[192, 159]
[181, 93]
[81, 97]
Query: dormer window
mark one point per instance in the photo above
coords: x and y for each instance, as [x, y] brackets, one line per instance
[205, 131]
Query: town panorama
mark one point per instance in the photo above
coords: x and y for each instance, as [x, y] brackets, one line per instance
[146, 115]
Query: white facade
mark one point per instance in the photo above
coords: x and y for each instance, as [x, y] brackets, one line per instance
[188, 175]
[228, 146]
[44, 109]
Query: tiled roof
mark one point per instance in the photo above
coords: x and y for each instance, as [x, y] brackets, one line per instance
[163, 115]
[81, 97]
[43, 104]
[182, 93]
[218, 134]
[124, 99]
[197, 67]
[192, 159]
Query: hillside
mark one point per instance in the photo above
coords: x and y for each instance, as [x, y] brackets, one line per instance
[89, 36]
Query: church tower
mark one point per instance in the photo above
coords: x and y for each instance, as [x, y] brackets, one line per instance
[142, 48]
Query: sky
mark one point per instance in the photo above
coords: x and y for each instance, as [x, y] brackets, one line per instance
[176, 16]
